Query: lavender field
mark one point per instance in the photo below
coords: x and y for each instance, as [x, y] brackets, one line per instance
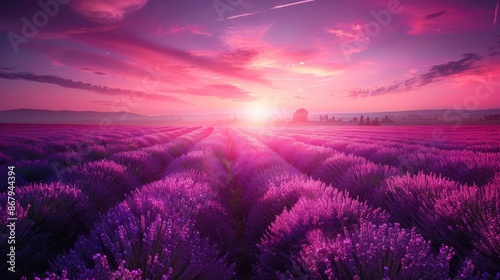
[251, 203]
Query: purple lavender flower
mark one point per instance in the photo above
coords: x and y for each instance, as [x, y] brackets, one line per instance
[411, 199]
[262, 180]
[373, 252]
[104, 182]
[35, 171]
[363, 179]
[278, 198]
[332, 212]
[467, 219]
[50, 217]
[152, 233]
[140, 164]
[333, 169]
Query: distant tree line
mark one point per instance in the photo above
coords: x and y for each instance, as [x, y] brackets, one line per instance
[495, 117]
[368, 122]
[326, 118]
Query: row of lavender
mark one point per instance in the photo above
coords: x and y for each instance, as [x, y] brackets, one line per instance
[34, 142]
[42, 156]
[442, 210]
[52, 213]
[467, 155]
[476, 138]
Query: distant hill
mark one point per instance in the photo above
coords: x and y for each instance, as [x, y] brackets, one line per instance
[65, 117]
[35, 116]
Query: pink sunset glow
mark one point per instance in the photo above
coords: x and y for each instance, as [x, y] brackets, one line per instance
[162, 57]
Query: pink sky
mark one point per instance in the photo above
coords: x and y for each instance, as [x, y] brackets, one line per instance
[201, 57]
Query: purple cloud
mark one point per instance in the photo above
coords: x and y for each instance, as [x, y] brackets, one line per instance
[435, 73]
[68, 83]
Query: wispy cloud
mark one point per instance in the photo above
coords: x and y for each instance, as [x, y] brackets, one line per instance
[292, 4]
[435, 74]
[221, 91]
[451, 68]
[427, 23]
[240, 56]
[439, 17]
[153, 53]
[496, 14]
[434, 15]
[244, 15]
[68, 83]
[191, 29]
[300, 97]
[345, 36]
[273, 8]
[92, 71]
[350, 33]
[105, 11]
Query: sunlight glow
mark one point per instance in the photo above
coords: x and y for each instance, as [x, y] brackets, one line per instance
[258, 112]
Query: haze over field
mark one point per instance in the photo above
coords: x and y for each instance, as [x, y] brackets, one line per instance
[256, 57]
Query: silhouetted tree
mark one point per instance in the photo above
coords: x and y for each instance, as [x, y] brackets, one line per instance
[376, 122]
[301, 115]
[386, 119]
[362, 120]
[368, 122]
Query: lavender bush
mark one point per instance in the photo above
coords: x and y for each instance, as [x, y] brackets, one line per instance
[373, 252]
[35, 171]
[332, 212]
[50, 217]
[411, 200]
[151, 234]
[333, 169]
[278, 198]
[467, 219]
[140, 164]
[363, 179]
[104, 182]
